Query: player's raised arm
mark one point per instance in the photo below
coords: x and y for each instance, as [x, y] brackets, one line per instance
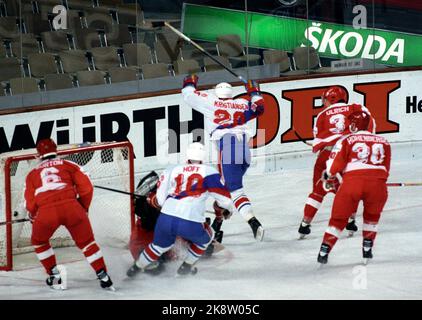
[198, 100]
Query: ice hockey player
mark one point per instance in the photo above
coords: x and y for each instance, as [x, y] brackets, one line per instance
[147, 211]
[330, 125]
[58, 193]
[226, 123]
[363, 159]
[182, 193]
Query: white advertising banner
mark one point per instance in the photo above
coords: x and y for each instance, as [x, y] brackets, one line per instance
[161, 127]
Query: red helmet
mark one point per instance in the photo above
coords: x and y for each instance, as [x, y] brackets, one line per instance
[335, 94]
[46, 147]
[359, 120]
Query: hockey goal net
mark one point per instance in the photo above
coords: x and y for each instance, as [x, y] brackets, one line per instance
[108, 164]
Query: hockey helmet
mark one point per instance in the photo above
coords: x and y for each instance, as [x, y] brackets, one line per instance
[358, 120]
[46, 147]
[195, 152]
[334, 94]
[224, 90]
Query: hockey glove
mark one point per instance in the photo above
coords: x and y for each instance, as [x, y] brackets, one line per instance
[31, 217]
[252, 87]
[221, 213]
[329, 183]
[190, 80]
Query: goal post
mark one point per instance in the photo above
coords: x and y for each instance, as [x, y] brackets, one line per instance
[112, 215]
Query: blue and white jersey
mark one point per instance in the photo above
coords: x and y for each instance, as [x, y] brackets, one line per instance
[183, 191]
[223, 116]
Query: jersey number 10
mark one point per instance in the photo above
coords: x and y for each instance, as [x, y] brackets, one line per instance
[194, 180]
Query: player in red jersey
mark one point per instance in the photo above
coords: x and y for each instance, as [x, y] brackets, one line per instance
[330, 125]
[58, 193]
[363, 159]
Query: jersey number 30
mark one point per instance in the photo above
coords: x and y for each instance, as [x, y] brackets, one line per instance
[374, 154]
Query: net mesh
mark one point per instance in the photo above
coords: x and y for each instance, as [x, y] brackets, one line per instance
[107, 165]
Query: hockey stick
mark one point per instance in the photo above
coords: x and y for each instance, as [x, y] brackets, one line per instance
[119, 191]
[301, 139]
[404, 184]
[14, 221]
[184, 37]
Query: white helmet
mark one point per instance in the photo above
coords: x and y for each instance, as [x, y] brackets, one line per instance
[195, 152]
[224, 90]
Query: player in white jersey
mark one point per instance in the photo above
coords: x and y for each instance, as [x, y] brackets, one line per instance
[181, 194]
[226, 123]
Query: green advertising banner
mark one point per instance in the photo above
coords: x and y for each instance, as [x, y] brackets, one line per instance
[285, 33]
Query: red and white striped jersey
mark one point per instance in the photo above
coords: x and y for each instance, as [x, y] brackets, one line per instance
[331, 124]
[56, 180]
[361, 153]
[183, 190]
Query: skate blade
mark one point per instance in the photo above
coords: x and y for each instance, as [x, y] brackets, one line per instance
[260, 234]
[58, 287]
[366, 261]
[351, 234]
[302, 236]
[110, 289]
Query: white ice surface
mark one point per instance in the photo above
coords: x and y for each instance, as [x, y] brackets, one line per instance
[280, 267]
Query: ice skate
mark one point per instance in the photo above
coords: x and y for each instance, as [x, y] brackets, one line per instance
[54, 281]
[257, 229]
[323, 253]
[105, 281]
[367, 250]
[218, 238]
[304, 229]
[186, 269]
[351, 227]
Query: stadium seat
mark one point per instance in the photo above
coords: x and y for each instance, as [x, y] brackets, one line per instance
[307, 58]
[122, 74]
[230, 46]
[279, 57]
[9, 28]
[3, 52]
[55, 41]
[156, 70]
[41, 64]
[99, 21]
[73, 61]
[119, 35]
[90, 78]
[35, 24]
[24, 45]
[57, 81]
[137, 54]
[167, 47]
[10, 68]
[86, 39]
[23, 85]
[186, 66]
[105, 58]
[211, 65]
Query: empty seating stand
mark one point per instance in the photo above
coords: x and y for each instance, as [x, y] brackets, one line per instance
[230, 46]
[156, 70]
